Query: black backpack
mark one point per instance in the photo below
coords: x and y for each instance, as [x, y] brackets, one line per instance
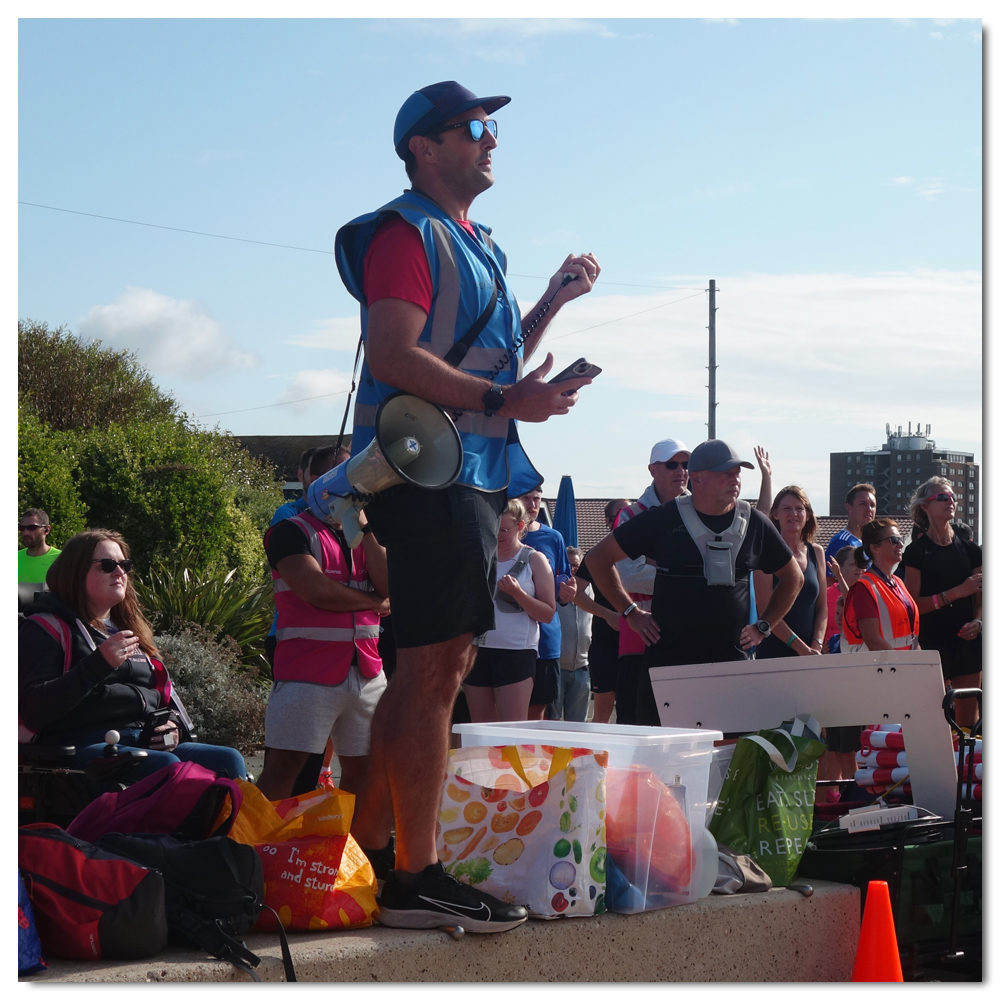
[214, 892]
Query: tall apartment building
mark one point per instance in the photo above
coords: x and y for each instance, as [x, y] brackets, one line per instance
[897, 467]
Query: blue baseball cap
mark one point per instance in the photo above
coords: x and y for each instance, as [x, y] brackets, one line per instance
[430, 105]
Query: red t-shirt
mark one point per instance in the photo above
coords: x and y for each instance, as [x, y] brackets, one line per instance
[396, 264]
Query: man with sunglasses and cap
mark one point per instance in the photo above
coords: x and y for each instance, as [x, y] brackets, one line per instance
[440, 322]
[705, 547]
[34, 560]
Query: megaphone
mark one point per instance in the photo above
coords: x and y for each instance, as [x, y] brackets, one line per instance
[415, 442]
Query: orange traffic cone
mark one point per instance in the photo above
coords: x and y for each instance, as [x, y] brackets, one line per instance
[877, 959]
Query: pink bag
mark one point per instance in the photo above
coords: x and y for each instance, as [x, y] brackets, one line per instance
[183, 799]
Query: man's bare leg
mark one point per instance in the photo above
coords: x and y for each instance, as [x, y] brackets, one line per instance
[281, 768]
[409, 752]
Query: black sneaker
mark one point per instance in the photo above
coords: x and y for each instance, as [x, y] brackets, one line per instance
[437, 899]
[382, 861]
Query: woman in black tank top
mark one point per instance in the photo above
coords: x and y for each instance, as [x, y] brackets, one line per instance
[800, 632]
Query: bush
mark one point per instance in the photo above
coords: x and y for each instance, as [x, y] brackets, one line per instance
[73, 385]
[166, 487]
[173, 595]
[225, 701]
[46, 465]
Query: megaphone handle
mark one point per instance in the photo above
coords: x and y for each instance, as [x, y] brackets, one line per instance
[351, 525]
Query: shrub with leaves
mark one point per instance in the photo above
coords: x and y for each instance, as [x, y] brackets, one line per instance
[173, 594]
[226, 701]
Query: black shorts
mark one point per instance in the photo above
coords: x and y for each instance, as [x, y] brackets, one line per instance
[441, 549]
[603, 660]
[498, 667]
[546, 688]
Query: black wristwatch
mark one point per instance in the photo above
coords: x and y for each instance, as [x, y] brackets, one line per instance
[493, 400]
[763, 627]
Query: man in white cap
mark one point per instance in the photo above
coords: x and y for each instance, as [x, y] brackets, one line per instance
[668, 465]
[705, 547]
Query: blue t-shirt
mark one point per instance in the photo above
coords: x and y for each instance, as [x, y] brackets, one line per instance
[291, 509]
[839, 540]
[550, 543]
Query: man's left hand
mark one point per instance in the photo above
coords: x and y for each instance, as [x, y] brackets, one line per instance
[751, 636]
[584, 269]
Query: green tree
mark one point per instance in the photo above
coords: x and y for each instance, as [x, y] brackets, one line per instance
[46, 467]
[74, 385]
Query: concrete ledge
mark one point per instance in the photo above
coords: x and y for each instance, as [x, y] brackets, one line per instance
[778, 936]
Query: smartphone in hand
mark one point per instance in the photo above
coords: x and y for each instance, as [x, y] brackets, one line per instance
[581, 368]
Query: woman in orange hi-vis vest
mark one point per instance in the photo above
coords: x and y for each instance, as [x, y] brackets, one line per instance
[879, 612]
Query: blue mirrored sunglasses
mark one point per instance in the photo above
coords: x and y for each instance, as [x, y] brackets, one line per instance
[476, 128]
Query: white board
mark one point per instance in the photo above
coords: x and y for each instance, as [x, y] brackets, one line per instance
[847, 689]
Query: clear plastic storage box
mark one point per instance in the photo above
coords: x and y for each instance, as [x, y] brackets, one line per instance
[657, 788]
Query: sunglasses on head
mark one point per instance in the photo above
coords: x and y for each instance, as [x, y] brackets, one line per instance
[671, 465]
[944, 497]
[476, 127]
[108, 565]
[891, 539]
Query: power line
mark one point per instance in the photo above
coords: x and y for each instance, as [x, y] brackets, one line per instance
[175, 229]
[618, 319]
[289, 402]
[285, 246]
[268, 406]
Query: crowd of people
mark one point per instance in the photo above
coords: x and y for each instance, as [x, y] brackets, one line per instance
[465, 587]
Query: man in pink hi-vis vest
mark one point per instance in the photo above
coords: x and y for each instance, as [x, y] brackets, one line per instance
[327, 672]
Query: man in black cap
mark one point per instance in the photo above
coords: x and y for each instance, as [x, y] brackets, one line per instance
[704, 546]
[439, 321]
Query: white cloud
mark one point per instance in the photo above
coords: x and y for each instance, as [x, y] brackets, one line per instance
[316, 387]
[937, 36]
[808, 364]
[336, 334]
[930, 187]
[169, 336]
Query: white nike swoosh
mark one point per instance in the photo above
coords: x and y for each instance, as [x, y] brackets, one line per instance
[456, 907]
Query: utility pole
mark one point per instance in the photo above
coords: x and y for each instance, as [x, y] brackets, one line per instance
[712, 366]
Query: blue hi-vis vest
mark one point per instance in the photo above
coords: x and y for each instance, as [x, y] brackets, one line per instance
[462, 277]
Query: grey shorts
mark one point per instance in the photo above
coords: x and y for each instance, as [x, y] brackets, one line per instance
[301, 716]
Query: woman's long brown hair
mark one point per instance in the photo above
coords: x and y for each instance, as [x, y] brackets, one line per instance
[67, 579]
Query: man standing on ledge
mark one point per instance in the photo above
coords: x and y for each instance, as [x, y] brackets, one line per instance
[700, 605]
[439, 322]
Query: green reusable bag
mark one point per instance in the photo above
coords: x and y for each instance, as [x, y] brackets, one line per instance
[766, 801]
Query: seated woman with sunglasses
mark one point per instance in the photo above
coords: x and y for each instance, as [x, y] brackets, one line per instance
[87, 664]
[945, 571]
[879, 612]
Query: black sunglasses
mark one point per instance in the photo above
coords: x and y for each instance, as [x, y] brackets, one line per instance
[671, 465]
[945, 497]
[892, 539]
[31, 527]
[108, 565]
[476, 128]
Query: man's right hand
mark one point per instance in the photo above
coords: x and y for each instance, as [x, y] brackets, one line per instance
[534, 400]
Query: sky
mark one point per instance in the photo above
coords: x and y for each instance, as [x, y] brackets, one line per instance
[827, 174]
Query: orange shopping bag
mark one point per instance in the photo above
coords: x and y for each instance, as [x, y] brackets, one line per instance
[316, 877]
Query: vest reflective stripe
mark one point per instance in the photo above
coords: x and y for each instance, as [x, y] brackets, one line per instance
[314, 645]
[329, 634]
[893, 618]
[463, 277]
